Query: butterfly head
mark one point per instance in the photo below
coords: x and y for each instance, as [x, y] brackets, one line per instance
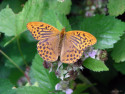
[63, 31]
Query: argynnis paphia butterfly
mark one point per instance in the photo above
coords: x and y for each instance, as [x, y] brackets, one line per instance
[53, 43]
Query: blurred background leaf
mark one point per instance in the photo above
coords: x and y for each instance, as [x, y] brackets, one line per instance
[116, 7]
[118, 53]
[6, 87]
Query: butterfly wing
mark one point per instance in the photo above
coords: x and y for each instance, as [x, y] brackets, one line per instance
[74, 44]
[41, 31]
[48, 48]
[49, 40]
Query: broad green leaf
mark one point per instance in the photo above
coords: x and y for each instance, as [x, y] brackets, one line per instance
[7, 22]
[106, 29]
[30, 90]
[39, 74]
[32, 11]
[120, 67]
[116, 7]
[118, 53]
[57, 20]
[5, 85]
[95, 65]
[51, 18]
[13, 24]
[34, 90]
[60, 7]
[64, 21]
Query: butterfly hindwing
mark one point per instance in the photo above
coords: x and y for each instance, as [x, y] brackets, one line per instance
[69, 53]
[48, 49]
[41, 31]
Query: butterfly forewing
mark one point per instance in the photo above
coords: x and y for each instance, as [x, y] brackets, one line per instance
[74, 44]
[41, 31]
[48, 49]
[81, 39]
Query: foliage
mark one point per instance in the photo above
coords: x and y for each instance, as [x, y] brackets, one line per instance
[116, 7]
[22, 70]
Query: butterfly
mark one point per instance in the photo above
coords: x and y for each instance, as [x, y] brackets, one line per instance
[53, 43]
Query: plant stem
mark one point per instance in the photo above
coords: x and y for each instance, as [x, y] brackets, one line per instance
[12, 62]
[18, 44]
[86, 81]
[12, 39]
[27, 77]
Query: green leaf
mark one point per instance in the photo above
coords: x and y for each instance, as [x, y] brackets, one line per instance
[7, 22]
[95, 65]
[5, 85]
[120, 67]
[60, 7]
[106, 29]
[30, 90]
[57, 20]
[13, 24]
[39, 74]
[51, 18]
[34, 90]
[116, 7]
[64, 21]
[32, 11]
[118, 53]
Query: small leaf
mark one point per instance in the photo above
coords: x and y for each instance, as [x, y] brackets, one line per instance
[116, 7]
[120, 67]
[118, 53]
[106, 29]
[95, 65]
[39, 74]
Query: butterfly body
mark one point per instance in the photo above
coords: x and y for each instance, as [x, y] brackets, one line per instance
[53, 43]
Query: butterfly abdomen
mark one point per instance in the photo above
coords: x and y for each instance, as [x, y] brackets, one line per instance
[62, 35]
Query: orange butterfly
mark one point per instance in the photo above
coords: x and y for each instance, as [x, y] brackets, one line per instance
[53, 43]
